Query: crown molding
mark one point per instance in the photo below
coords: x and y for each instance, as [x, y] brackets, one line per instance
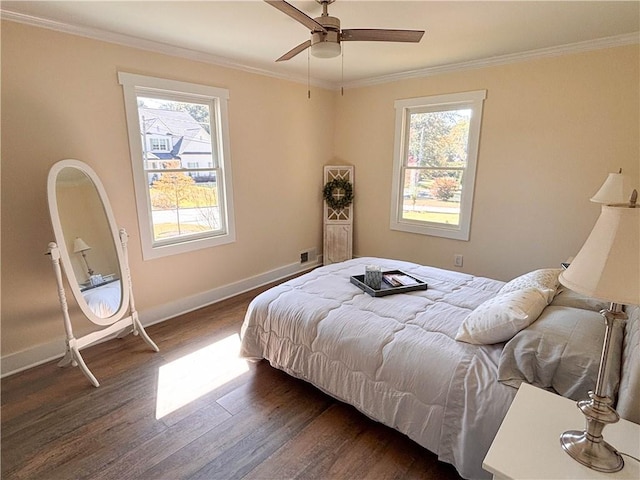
[153, 46]
[597, 44]
[158, 47]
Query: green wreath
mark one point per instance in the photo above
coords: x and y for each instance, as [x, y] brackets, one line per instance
[338, 185]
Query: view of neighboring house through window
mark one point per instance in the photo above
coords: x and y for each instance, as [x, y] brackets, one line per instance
[179, 151]
[435, 161]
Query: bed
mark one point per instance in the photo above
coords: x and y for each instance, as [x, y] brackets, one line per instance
[104, 300]
[433, 364]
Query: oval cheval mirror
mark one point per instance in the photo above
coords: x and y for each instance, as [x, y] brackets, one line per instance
[92, 252]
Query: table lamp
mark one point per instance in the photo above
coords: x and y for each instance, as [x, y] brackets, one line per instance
[80, 246]
[608, 268]
[615, 189]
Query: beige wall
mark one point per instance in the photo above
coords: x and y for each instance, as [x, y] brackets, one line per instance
[552, 129]
[61, 99]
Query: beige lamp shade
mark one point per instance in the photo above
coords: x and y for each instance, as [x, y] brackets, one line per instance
[615, 189]
[79, 245]
[608, 265]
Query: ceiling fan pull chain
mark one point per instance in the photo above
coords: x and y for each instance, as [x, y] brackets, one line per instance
[308, 75]
[342, 73]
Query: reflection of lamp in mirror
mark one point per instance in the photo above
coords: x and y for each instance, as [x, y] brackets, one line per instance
[80, 246]
[606, 268]
[615, 189]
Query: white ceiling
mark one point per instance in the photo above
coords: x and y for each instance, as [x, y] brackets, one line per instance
[251, 34]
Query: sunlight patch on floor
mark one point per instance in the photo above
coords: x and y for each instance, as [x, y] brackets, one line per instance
[192, 376]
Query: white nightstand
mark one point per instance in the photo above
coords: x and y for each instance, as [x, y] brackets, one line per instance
[527, 445]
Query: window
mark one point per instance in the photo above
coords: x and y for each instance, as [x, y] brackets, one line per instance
[179, 144]
[161, 144]
[436, 148]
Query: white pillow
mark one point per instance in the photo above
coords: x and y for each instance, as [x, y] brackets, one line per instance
[545, 279]
[501, 317]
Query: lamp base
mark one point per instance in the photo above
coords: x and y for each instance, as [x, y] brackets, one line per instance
[597, 455]
[588, 447]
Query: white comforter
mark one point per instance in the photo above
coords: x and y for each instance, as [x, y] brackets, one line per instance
[394, 358]
[104, 300]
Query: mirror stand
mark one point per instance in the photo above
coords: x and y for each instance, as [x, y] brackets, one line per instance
[128, 324]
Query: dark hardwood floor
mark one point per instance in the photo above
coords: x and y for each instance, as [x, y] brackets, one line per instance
[260, 424]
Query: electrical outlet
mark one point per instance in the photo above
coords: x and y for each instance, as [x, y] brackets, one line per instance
[457, 260]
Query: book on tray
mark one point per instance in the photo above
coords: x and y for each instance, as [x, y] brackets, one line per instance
[399, 280]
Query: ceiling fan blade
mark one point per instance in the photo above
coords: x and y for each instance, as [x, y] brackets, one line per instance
[297, 15]
[380, 35]
[295, 51]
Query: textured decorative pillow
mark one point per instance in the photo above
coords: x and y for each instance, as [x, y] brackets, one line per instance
[568, 298]
[501, 317]
[545, 279]
[561, 352]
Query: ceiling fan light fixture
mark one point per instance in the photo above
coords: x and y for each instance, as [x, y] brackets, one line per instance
[326, 34]
[325, 49]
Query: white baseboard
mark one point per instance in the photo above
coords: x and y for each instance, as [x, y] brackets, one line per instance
[43, 353]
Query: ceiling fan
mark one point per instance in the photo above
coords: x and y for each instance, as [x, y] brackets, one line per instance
[326, 34]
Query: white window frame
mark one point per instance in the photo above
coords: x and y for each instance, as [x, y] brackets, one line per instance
[134, 85]
[404, 108]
